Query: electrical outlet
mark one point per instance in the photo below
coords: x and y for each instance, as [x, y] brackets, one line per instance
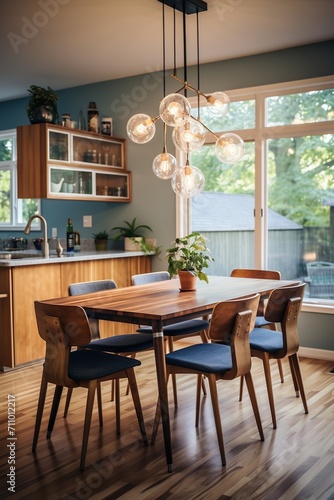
[54, 232]
[87, 221]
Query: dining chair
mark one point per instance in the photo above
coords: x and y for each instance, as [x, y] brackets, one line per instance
[283, 307]
[64, 327]
[178, 331]
[260, 321]
[225, 358]
[127, 344]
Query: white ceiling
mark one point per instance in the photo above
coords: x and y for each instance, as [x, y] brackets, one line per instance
[66, 43]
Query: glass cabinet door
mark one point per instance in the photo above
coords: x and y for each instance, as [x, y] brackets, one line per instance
[70, 181]
[58, 146]
[98, 151]
[112, 185]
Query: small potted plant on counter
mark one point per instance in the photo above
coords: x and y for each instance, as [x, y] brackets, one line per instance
[42, 105]
[101, 240]
[187, 257]
[133, 236]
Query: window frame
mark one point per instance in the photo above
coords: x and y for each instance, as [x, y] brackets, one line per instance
[15, 202]
[260, 134]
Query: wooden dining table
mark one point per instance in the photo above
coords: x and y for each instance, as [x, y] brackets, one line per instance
[160, 304]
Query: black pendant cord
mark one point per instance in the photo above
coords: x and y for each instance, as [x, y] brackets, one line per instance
[164, 49]
[185, 76]
[198, 70]
[174, 24]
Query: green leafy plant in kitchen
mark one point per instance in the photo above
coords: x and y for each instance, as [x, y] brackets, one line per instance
[130, 230]
[101, 240]
[189, 253]
[147, 246]
[102, 235]
[42, 105]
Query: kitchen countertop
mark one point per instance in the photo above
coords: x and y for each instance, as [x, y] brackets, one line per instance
[35, 258]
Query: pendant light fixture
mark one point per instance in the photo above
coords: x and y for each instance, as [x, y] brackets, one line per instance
[189, 133]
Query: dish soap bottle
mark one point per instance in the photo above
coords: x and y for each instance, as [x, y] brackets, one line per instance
[69, 236]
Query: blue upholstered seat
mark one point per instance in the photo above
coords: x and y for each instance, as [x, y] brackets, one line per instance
[127, 343]
[262, 339]
[180, 328]
[90, 365]
[205, 358]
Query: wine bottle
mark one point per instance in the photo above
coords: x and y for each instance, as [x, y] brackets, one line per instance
[69, 236]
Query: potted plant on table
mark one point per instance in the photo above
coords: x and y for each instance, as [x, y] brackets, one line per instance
[101, 240]
[133, 236]
[187, 257]
[42, 105]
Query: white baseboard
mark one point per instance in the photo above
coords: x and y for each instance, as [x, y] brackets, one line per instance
[309, 352]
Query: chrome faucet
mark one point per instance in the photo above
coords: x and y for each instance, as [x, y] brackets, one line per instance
[45, 244]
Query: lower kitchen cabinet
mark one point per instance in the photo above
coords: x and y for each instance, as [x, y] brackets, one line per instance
[22, 285]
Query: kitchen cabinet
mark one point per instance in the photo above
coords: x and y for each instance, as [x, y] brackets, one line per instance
[22, 285]
[56, 162]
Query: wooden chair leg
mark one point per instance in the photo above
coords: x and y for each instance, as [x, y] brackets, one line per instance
[295, 362]
[293, 376]
[112, 392]
[88, 418]
[118, 407]
[267, 373]
[136, 401]
[99, 404]
[241, 387]
[40, 408]
[216, 413]
[54, 409]
[198, 398]
[280, 369]
[252, 396]
[156, 423]
[68, 400]
[171, 349]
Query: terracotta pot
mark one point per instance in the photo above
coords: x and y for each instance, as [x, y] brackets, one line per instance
[187, 281]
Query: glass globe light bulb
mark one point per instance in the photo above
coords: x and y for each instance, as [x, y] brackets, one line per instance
[174, 110]
[229, 148]
[164, 165]
[188, 181]
[140, 128]
[189, 136]
[218, 104]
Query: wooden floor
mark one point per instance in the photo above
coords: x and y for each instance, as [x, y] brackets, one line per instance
[296, 461]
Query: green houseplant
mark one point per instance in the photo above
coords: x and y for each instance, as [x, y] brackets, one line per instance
[42, 105]
[101, 240]
[188, 256]
[133, 236]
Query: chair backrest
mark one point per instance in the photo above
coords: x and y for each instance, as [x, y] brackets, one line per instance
[61, 327]
[257, 274]
[91, 287]
[231, 323]
[144, 279]
[283, 307]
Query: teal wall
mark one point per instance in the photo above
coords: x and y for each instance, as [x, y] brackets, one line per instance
[153, 199]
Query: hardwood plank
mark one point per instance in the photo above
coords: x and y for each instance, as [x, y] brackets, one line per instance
[296, 461]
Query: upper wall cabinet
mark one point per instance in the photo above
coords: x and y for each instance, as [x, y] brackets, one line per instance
[61, 163]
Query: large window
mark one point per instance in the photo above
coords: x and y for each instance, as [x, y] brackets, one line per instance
[275, 208]
[14, 212]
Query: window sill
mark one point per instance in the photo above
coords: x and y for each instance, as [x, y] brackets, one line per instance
[315, 306]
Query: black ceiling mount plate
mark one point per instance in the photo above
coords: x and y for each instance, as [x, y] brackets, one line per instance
[190, 6]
